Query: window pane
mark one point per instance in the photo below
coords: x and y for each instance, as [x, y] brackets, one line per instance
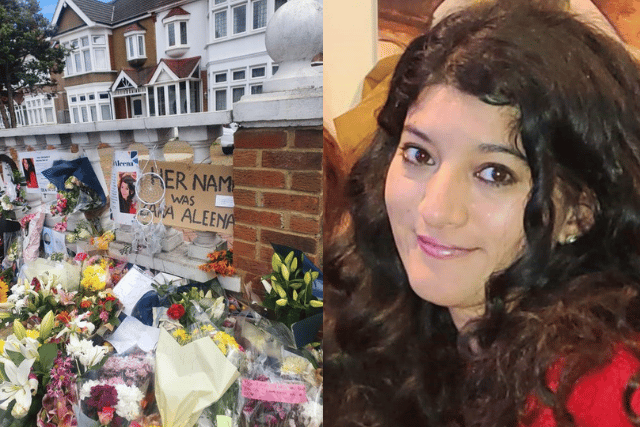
[258, 72]
[78, 62]
[94, 113]
[137, 107]
[83, 98]
[274, 69]
[221, 24]
[183, 33]
[172, 35]
[238, 75]
[84, 41]
[75, 115]
[256, 89]
[183, 98]
[240, 19]
[104, 95]
[220, 1]
[161, 107]
[98, 39]
[221, 100]
[141, 46]
[49, 113]
[85, 115]
[68, 65]
[130, 44]
[101, 59]
[92, 96]
[87, 60]
[222, 77]
[172, 99]
[259, 14]
[194, 92]
[279, 3]
[237, 93]
[152, 102]
[105, 110]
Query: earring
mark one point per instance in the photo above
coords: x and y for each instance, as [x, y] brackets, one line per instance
[570, 239]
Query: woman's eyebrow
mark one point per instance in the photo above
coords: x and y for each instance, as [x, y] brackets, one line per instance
[499, 148]
[416, 132]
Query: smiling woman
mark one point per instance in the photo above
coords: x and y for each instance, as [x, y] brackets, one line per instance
[490, 271]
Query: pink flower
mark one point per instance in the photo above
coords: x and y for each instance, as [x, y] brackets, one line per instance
[106, 415]
[81, 256]
[104, 316]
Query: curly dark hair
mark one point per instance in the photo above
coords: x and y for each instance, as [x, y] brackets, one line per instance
[399, 360]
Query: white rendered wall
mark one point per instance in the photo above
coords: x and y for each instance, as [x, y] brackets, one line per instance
[196, 31]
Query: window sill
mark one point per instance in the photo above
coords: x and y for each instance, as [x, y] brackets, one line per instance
[177, 51]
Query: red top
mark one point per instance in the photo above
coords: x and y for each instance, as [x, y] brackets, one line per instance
[597, 398]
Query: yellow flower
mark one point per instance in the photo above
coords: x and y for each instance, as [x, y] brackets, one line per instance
[32, 333]
[1, 346]
[4, 289]
[182, 336]
[223, 348]
[94, 277]
[224, 341]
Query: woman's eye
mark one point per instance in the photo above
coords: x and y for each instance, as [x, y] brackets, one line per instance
[416, 155]
[496, 174]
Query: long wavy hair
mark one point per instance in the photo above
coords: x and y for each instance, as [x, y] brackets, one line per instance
[399, 360]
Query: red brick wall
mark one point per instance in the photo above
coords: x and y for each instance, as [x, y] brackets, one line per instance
[277, 176]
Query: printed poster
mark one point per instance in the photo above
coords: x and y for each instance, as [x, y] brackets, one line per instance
[32, 163]
[125, 172]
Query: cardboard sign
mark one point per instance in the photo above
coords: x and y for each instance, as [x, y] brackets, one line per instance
[197, 197]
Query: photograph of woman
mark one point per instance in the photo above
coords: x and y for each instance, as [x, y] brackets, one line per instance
[30, 172]
[127, 192]
[487, 270]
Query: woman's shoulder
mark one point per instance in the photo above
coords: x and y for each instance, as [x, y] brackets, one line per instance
[606, 395]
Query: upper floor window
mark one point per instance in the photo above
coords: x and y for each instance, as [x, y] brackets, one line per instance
[259, 13]
[135, 45]
[177, 33]
[86, 54]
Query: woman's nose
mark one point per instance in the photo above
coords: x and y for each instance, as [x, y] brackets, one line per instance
[445, 199]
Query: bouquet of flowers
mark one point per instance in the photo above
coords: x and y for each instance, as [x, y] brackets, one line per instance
[289, 293]
[83, 231]
[75, 196]
[221, 262]
[9, 203]
[191, 306]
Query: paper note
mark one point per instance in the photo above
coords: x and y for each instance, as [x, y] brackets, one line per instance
[224, 421]
[132, 287]
[133, 332]
[224, 201]
[274, 392]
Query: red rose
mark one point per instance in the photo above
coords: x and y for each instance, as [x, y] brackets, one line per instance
[176, 311]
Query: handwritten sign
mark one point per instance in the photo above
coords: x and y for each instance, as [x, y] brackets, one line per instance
[193, 194]
[274, 392]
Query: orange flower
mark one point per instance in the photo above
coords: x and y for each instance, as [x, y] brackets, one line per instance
[4, 289]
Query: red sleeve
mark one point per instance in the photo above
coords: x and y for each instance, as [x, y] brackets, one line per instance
[596, 400]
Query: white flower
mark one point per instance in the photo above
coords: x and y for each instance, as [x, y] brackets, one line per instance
[88, 354]
[84, 234]
[85, 390]
[78, 325]
[19, 387]
[28, 347]
[217, 309]
[129, 398]
[6, 205]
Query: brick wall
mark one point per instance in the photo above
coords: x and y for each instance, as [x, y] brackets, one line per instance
[277, 176]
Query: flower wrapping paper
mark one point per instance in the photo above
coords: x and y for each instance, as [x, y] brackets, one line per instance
[189, 378]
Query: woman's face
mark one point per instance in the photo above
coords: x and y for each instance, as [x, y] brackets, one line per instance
[455, 194]
[124, 189]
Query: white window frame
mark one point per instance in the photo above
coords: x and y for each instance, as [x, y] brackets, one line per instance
[87, 106]
[85, 50]
[253, 14]
[133, 40]
[154, 110]
[230, 8]
[176, 22]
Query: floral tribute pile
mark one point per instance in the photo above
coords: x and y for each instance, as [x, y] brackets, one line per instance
[59, 368]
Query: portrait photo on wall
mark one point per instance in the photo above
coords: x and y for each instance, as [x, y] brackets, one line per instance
[29, 170]
[127, 192]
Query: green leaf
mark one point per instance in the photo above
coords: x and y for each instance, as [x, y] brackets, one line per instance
[48, 353]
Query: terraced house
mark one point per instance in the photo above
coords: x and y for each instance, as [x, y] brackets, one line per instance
[141, 58]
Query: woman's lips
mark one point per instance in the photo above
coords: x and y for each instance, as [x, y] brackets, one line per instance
[436, 249]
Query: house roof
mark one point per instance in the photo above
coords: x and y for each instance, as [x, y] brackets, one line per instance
[176, 11]
[135, 27]
[182, 67]
[139, 77]
[116, 11]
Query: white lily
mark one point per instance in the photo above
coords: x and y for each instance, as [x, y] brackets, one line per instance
[28, 347]
[19, 387]
[78, 325]
[84, 350]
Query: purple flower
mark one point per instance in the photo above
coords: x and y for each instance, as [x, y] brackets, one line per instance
[102, 396]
